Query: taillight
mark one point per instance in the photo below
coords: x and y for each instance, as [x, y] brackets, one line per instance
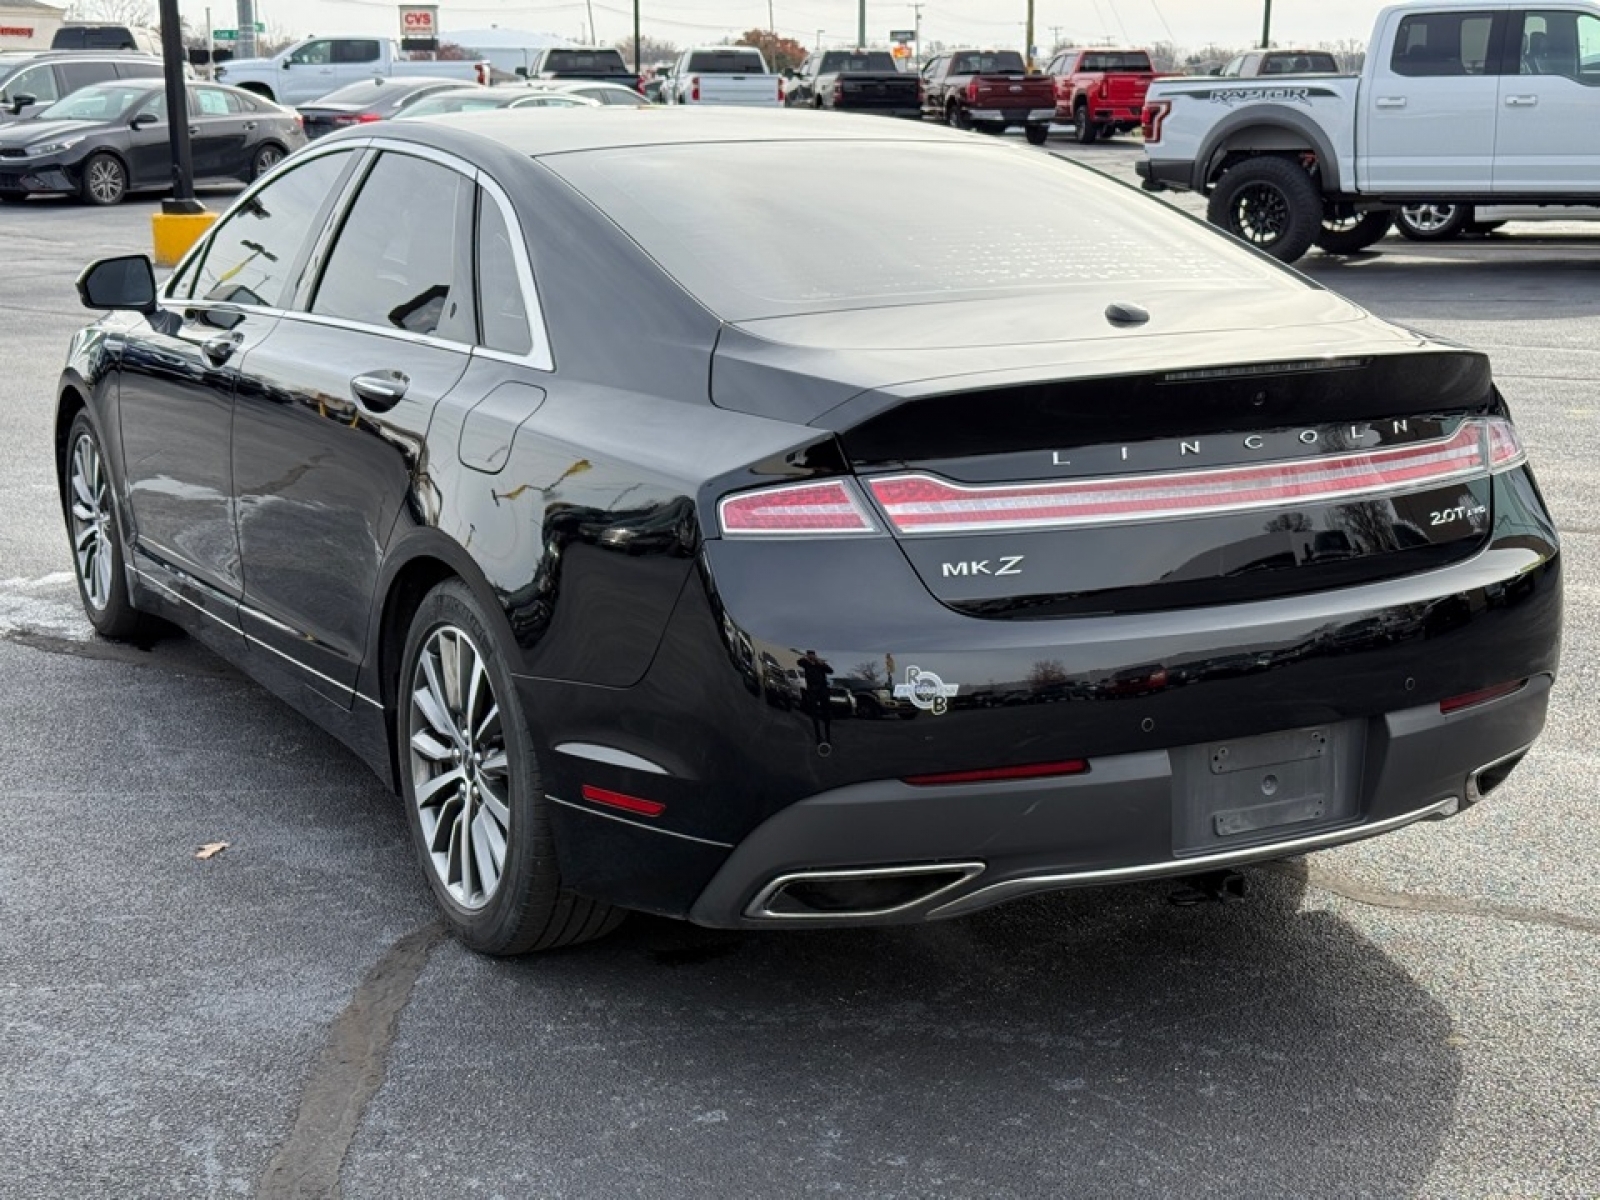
[694, 88]
[825, 509]
[1049, 770]
[838, 89]
[1105, 89]
[972, 90]
[1481, 696]
[1150, 119]
[921, 503]
[367, 118]
[638, 84]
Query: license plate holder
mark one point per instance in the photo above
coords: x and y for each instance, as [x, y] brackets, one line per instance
[1267, 787]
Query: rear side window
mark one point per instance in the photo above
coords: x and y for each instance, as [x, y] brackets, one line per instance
[355, 50]
[254, 250]
[395, 263]
[75, 75]
[1561, 43]
[501, 306]
[1443, 43]
[137, 70]
[212, 102]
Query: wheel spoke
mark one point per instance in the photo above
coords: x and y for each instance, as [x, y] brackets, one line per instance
[494, 805]
[430, 746]
[494, 763]
[489, 718]
[470, 708]
[430, 699]
[450, 668]
[440, 782]
[488, 852]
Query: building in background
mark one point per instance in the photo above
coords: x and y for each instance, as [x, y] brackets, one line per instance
[506, 49]
[28, 24]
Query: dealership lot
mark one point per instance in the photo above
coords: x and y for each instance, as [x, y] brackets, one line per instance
[1414, 1016]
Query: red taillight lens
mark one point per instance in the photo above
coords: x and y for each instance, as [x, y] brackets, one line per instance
[694, 88]
[633, 804]
[1070, 766]
[1481, 696]
[921, 503]
[1505, 446]
[816, 509]
[368, 118]
[972, 90]
[1150, 119]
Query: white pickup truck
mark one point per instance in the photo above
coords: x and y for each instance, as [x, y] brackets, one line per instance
[311, 69]
[1496, 103]
[723, 75]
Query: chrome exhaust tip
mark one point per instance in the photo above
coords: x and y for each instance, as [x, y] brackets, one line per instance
[1492, 774]
[847, 895]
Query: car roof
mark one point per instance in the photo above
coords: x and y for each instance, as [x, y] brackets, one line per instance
[612, 127]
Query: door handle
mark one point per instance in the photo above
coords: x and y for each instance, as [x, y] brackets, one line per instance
[219, 350]
[249, 125]
[380, 391]
[1390, 102]
[193, 129]
[1521, 101]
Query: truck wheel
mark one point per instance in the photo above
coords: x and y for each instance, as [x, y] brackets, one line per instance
[1036, 134]
[1271, 203]
[956, 118]
[259, 89]
[1433, 222]
[1484, 228]
[1083, 129]
[1350, 235]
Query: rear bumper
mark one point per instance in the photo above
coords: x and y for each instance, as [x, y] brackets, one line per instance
[1013, 116]
[1122, 821]
[1170, 174]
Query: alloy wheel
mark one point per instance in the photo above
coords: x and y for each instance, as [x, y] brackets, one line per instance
[91, 522]
[267, 158]
[1429, 218]
[105, 180]
[460, 771]
[1260, 214]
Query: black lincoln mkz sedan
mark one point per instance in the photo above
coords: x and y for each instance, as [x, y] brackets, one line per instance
[569, 472]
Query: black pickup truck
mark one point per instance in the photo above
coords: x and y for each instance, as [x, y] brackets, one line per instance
[854, 81]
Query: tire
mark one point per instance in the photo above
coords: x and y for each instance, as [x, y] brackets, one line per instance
[1107, 132]
[466, 752]
[267, 157]
[1353, 234]
[104, 180]
[956, 118]
[1484, 228]
[1271, 203]
[1037, 135]
[259, 89]
[13, 197]
[95, 535]
[1433, 222]
[1084, 130]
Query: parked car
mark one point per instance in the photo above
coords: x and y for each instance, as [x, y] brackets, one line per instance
[988, 90]
[109, 139]
[375, 464]
[93, 35]
[311, 69]
[601, 93]
[1445, 222]
[1453, 105]
[854, 81]
[373, 100]
[458, 100]
[723, 76]
[601, 64]
[1280, 62]
[655, 80]
[1100, 92]
[30, 83]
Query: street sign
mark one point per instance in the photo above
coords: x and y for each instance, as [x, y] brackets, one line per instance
[902, 35]
[224, 35]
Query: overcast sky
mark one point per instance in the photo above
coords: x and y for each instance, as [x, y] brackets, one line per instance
[997, 23]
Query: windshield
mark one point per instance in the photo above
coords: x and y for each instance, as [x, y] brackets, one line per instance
[99, 102]
[709, 215]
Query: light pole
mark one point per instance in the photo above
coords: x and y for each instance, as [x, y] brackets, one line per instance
[1266, 26]
[637, 69]
[861, 25]
[916, 37]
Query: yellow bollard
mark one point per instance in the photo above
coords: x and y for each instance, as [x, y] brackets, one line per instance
[174, 233]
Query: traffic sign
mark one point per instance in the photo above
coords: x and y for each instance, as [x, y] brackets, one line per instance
[224, 35]
[902, 35]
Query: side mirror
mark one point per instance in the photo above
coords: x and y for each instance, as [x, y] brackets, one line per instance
[127, 283]
[522, 72]
[140, 120]
[287, 63]
[21, 101]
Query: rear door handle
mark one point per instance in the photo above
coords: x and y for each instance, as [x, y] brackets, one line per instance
[1390, 102]
[380, 390]
[1521, 101]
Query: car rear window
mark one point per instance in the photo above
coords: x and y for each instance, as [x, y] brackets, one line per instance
[727, 62]
[709, 215]
[1002, 62]
[608, 61]
[872, 60]
[1128, 61]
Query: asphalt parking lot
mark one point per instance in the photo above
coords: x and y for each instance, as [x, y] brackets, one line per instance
[1415, 1016]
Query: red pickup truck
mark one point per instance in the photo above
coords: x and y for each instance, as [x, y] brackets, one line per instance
[988, 90]
[1100, 92]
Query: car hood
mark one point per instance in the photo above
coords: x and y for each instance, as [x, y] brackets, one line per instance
[27, 133]
[796, 368]
[234, 64]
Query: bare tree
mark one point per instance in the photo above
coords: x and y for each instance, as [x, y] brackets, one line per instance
[865, 670]
[651, 50]
[114, 12]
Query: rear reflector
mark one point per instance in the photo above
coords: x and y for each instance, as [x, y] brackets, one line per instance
[829, 507]
[1070, 766]
[922, 503]
[1482, 696]
[633, 804]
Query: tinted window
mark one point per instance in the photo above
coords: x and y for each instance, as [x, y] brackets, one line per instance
[727, 62]
[395, 261]
[38, 82]
[844, 60]
[1000, 62]
[747, 249]
[1561, 43]
[592, 62]
[1442, 43]
[1126, 61]
[501, 307]
[75, 75]
[137, 69]
[253, 251]
[355, 50]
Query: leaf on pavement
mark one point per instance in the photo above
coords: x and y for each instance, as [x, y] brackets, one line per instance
[211, 850]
